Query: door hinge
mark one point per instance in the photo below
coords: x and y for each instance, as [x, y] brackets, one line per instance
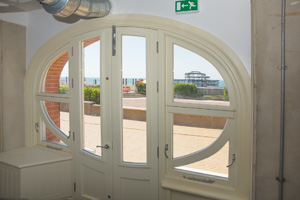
[157, 152]
[157, 47]
[157, 86]
[36, 126]
[72, 51]
[74, 187]
[114, 40]
[72, 83]
[73, 136]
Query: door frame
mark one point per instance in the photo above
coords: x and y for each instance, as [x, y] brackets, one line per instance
[105, 160]
[136, 170]
[232, 65]
[111, 92]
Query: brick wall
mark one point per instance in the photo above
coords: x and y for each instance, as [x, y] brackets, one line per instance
[52, 86]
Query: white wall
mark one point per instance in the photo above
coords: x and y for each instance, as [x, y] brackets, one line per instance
[16, 18]
[229, 20]
[41, 27]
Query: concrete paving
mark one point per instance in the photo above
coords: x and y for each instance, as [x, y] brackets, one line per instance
[186, 140]
[141, 102]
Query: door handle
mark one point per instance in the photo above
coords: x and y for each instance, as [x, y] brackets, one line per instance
[166, 149]
[105, 146]
[232, 161]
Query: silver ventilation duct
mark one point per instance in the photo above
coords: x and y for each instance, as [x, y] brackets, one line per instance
[84, 8]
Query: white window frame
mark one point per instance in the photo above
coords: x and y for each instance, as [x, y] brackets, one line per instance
[217, 52]
[237, 130]
[229, 132]
[39, 115]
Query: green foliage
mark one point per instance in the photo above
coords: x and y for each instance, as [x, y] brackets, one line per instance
[92, 94]
[141, 88]
[63, 90]
[225, 94]
[185, 89]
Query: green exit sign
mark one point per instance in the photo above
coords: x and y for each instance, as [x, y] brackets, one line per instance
[186, 6]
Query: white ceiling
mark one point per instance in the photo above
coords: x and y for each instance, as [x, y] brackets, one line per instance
[7, 6]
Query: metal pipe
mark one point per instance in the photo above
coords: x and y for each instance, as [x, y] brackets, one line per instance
[84, 8]
[50, 2]
[93, 8]
[282, 118]
[61, 8]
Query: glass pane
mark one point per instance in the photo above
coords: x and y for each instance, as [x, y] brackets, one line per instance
[134, 135]
[196, 81]
[91, 89]
[191, 133]
[134, 140]
[57, 77]
[214, 165]
[48, 136]
[60, 117]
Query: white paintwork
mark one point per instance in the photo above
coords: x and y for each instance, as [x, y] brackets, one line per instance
[35, 173]
[136, 181]
[32, 156]
[237, 130]
[229, 20]
[93, 173]
[20, 18]
[218, 50]
[98, 177]
[41, 27]
[229, 132]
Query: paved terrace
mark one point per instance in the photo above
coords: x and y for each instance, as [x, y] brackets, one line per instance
[186, 139]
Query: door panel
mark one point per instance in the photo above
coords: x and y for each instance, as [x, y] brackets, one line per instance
[116, 149]
[135, 131]
[93, 164]
[138, 191]
[92, 180]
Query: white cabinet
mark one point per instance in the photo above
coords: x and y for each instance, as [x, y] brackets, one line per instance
[35, 173]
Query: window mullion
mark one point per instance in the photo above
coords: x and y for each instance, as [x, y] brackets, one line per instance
[53, 97]
[206, 112]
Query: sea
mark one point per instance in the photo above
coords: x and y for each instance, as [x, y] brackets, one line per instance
[126, 81]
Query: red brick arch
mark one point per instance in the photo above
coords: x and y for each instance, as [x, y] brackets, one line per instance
[52, 86]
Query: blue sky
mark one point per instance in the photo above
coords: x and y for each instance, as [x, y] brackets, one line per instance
[134, 60]
[187, 61]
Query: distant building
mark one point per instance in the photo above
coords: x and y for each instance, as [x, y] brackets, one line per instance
[197, 78]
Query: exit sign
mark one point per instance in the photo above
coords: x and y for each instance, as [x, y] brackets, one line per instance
[186, 6]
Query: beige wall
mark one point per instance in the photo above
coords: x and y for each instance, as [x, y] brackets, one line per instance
[267, 82]
[12, 67]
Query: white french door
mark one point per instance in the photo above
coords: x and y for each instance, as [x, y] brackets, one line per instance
[93, 174]
[116, 129]
[135, 134]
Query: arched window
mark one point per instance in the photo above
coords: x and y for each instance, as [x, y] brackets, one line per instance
[200, 115]
[197, 128]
